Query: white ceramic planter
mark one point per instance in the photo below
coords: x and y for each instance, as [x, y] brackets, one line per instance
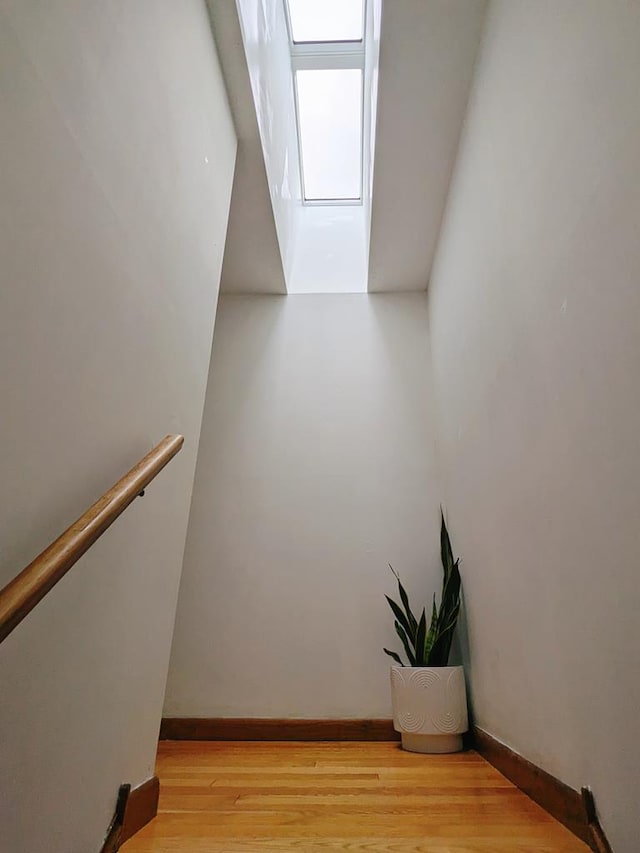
[429, 707]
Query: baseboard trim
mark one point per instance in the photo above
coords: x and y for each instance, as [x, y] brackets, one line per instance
[575, 810]
[141, 807]
[113, 839]
[227, 728]
[598, 841]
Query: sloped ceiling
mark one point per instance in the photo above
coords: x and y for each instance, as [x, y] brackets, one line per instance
[427, 57]
[252, 262]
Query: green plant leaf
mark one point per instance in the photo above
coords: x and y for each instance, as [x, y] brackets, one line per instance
[449, 604]
[420, 638]
[405, 601]
[432, 647]
[405, 642]
[394, 655]
[404, 598]
[432, 634]
[451, 587]
[442, 646]
[446, 553]
[400, 616]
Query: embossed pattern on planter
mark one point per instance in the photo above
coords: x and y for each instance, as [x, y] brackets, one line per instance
[396, 677]
[429, 700]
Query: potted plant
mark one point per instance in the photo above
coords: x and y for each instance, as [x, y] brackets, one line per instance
[428, 696]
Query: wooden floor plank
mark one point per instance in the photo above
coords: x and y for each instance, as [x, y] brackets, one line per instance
[357, 797]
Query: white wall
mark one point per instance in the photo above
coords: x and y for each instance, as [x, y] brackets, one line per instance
[330, 252]
[535, 317]
[266, 44]
[427, 55]
[116, 161]
[315, 470]
[373, 23]
[259, 270]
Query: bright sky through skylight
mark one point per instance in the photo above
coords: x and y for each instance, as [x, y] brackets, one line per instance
[326, 20]
[330, 111]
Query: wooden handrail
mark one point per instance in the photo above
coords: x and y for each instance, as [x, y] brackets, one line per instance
[22, 594]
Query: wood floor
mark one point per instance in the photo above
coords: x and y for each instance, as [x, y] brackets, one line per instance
[317, 797]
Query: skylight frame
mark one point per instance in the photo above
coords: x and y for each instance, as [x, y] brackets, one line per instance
[320, 56]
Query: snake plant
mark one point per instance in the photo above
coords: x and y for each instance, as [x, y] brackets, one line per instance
[429, 647]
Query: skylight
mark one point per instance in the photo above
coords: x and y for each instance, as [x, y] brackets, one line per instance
[327, 60]
[326, 20]
[330, 117]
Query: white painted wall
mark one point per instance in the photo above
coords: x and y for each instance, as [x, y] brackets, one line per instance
[373, 23]
[535, 317]
[315, 470]
[330, 251]
[266, 44]
[427, 55]
[259, 270]
[116, 161]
